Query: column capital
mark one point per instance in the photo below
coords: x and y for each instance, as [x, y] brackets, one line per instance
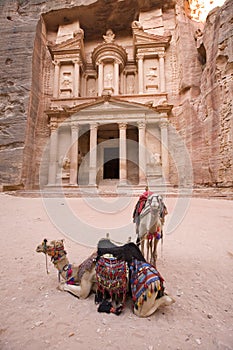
[99, 63]
[141, 125]
[74, 126]
[122, 126]
[53, 125]
[161, 55]
[163, 123]
[93, 125]
[77, 61]
[56, 63]
[140, 56]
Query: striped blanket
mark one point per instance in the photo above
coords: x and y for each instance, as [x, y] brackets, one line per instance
[144, 280]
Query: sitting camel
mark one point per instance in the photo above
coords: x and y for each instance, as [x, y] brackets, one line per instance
[145, 282]
[147, 288]
[79, 280]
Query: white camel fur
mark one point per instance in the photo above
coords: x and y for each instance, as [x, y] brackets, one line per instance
[79, 280]
[150, 226]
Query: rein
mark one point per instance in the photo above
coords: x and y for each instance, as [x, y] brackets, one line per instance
[54, 252]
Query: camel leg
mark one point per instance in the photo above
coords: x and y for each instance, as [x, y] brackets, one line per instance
[83, 290]
[149, 250]
[152, 304]
[155, 251]
[79, 291]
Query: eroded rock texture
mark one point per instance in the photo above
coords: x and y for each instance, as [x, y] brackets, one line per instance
[198, 74]
[205, 112]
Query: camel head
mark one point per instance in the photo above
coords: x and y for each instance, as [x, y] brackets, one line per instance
[51, 248]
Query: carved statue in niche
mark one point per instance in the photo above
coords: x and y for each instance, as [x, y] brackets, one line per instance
[154, 165]
[64, 163]
[66, 81]
[155, 159]
[109, 36]
[151, 75]
[108, 80]
[91, 89]
[130, 84]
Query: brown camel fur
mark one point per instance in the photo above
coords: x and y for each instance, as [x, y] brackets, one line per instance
[79, 280]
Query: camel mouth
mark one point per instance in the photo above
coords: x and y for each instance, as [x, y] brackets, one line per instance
[39, 249]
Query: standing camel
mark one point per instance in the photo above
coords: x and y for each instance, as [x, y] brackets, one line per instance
[150, 226]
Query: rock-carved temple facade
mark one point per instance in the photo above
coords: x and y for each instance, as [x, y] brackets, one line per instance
[122, 92]
[109, 111]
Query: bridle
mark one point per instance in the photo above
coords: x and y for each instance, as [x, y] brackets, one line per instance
[150, 201]
[149, 207]
[54, 251]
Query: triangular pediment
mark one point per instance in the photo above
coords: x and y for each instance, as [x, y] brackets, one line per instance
[71, 45]
[111, 107]
[142, 38]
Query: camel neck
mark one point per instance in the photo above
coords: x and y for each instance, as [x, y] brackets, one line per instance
[61, 265]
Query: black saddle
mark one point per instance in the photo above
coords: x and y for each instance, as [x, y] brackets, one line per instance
[126, 252]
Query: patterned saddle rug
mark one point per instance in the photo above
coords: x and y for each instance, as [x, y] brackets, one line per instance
[111, 275]
[144, 280]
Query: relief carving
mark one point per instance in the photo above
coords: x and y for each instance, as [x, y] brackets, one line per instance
[108, 80]
[130, 84]
[66, 81]
[66, 84]
[109, 36]
[151, 75]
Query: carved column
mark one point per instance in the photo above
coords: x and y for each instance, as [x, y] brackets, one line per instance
[93, 154]
[84, 83]
[52, 175]
[140, 73]
[142, 152]
[162, 72]
[116, 78]
[100, 78]
[124, 82]
[76, 78]
[164, 148]
[123, 155]
[74, 154]
[56, 79]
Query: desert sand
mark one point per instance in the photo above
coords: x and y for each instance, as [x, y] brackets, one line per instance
[196, 262]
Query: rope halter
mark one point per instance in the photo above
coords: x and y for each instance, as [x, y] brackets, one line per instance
[55, 249]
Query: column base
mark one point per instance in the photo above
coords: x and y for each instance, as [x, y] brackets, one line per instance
[89, 189]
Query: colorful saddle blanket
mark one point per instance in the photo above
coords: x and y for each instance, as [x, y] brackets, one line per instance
[144, 280]
[111, 275]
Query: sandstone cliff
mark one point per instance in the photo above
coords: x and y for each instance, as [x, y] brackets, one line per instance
[204, 115]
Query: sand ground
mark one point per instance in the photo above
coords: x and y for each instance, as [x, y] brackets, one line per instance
[196, 262]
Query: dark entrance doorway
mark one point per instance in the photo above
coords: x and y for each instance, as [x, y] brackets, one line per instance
[111, 163]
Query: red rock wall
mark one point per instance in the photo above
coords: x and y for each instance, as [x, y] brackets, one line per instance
[203, 111]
